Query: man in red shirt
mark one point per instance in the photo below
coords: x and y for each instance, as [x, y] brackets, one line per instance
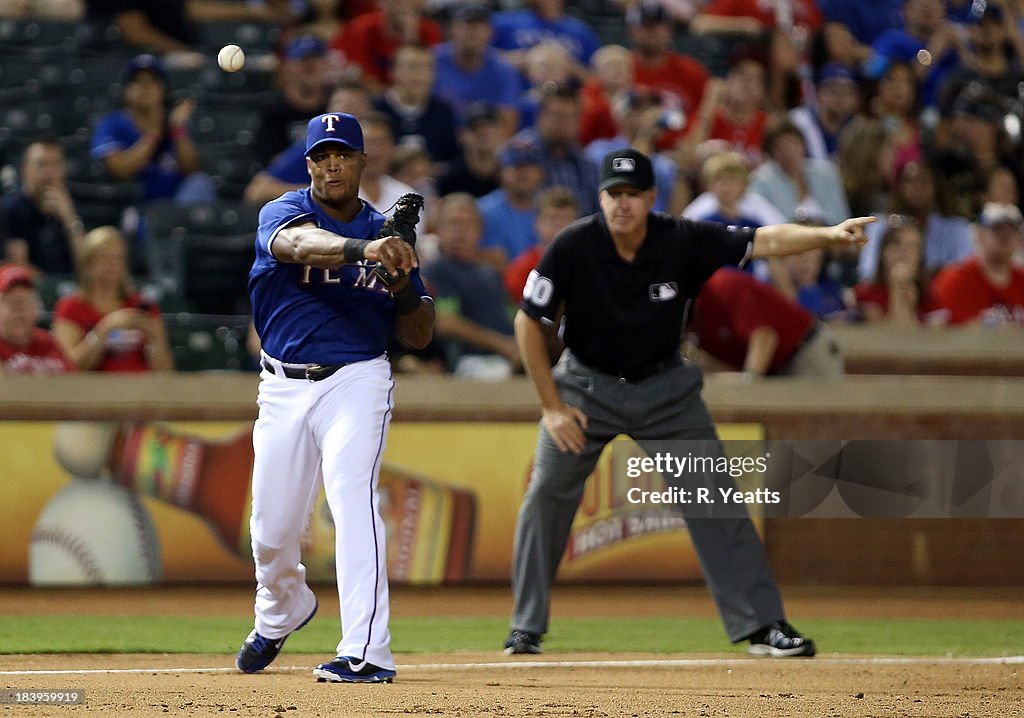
[732, 110]
[752, 327]
[987, 287]
[370, 41]
[656, 65]
[24, 347]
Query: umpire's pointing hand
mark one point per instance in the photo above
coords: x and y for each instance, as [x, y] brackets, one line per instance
[852, 231]
[565, 424]
[394, 253]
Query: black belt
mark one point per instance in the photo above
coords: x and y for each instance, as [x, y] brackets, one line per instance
[316, 372]
[648, 370]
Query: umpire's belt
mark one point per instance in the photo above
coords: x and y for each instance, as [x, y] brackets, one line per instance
[648, 370]
[309, 372]
[634, 376]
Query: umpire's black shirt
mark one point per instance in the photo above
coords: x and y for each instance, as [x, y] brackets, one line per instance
[623, 317]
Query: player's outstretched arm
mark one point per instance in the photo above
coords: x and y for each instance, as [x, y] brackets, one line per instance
[314, 247]
[779, 239]
[564, 423]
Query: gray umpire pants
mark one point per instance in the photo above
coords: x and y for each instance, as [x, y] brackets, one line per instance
[666, 406]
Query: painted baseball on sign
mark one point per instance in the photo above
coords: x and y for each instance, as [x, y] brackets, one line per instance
[93, 532]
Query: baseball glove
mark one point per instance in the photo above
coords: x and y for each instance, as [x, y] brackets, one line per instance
[402, 223]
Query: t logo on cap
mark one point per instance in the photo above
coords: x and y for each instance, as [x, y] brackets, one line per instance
[628, 167]
[334, 127]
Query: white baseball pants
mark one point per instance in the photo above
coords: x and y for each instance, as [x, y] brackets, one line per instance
[331, 431]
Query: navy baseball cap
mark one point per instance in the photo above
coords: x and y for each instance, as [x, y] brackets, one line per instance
[517, 153]
[978, 103]
[836, 71]
[334, 127]
[143, 63]
[481, 111]
[647, 12]
[305, 46]
[628, 167]
[471, 12]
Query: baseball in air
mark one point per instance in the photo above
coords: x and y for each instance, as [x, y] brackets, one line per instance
[231, 58]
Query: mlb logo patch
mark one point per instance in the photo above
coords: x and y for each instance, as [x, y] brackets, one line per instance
[623, 164]
[664, 292]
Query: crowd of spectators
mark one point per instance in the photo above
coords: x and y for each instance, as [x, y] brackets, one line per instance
[499, 113]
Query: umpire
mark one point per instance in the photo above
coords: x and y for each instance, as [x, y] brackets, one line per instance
[623, 281]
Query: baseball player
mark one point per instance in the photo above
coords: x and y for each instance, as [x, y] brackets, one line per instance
[630, 273]
[325, 399]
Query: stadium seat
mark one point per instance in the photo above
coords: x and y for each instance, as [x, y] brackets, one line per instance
[33, 77]
[208, 342]
[97, 75]
[216, 272]
[247, 81]
[203, 253]
[220, 126]
[231, 170]
[101, 37]
[254, 37]
[37, 117]
[39, 33]
[54, 286]
[81, 167]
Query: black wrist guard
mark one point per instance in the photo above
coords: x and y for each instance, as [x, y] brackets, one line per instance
[354, 250]
[407, 300]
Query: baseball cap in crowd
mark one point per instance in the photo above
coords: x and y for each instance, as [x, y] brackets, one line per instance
[334, 127]
[143, 63]
[15, 276]
[517, 153]
[646, 12]
[471, 12]
[480, 112]
[980, 104]
[996, 213]
[628, 167]
[305, 46]
[836, 71]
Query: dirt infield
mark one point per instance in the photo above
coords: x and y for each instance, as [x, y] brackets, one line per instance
[588, 685]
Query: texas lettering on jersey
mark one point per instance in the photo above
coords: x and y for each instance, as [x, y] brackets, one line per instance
[366, 277]
[312, 315]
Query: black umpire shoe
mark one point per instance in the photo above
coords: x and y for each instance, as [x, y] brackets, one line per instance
[780, 640]
[522, 642]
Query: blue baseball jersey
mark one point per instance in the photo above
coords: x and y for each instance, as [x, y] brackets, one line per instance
[305, 315]
[116, 132]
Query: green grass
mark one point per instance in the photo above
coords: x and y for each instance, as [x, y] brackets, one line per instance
[170, 634]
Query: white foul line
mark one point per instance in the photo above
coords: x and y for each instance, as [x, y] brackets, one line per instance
[640, 663]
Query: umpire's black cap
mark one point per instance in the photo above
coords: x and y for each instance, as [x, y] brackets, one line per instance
[628, 167]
